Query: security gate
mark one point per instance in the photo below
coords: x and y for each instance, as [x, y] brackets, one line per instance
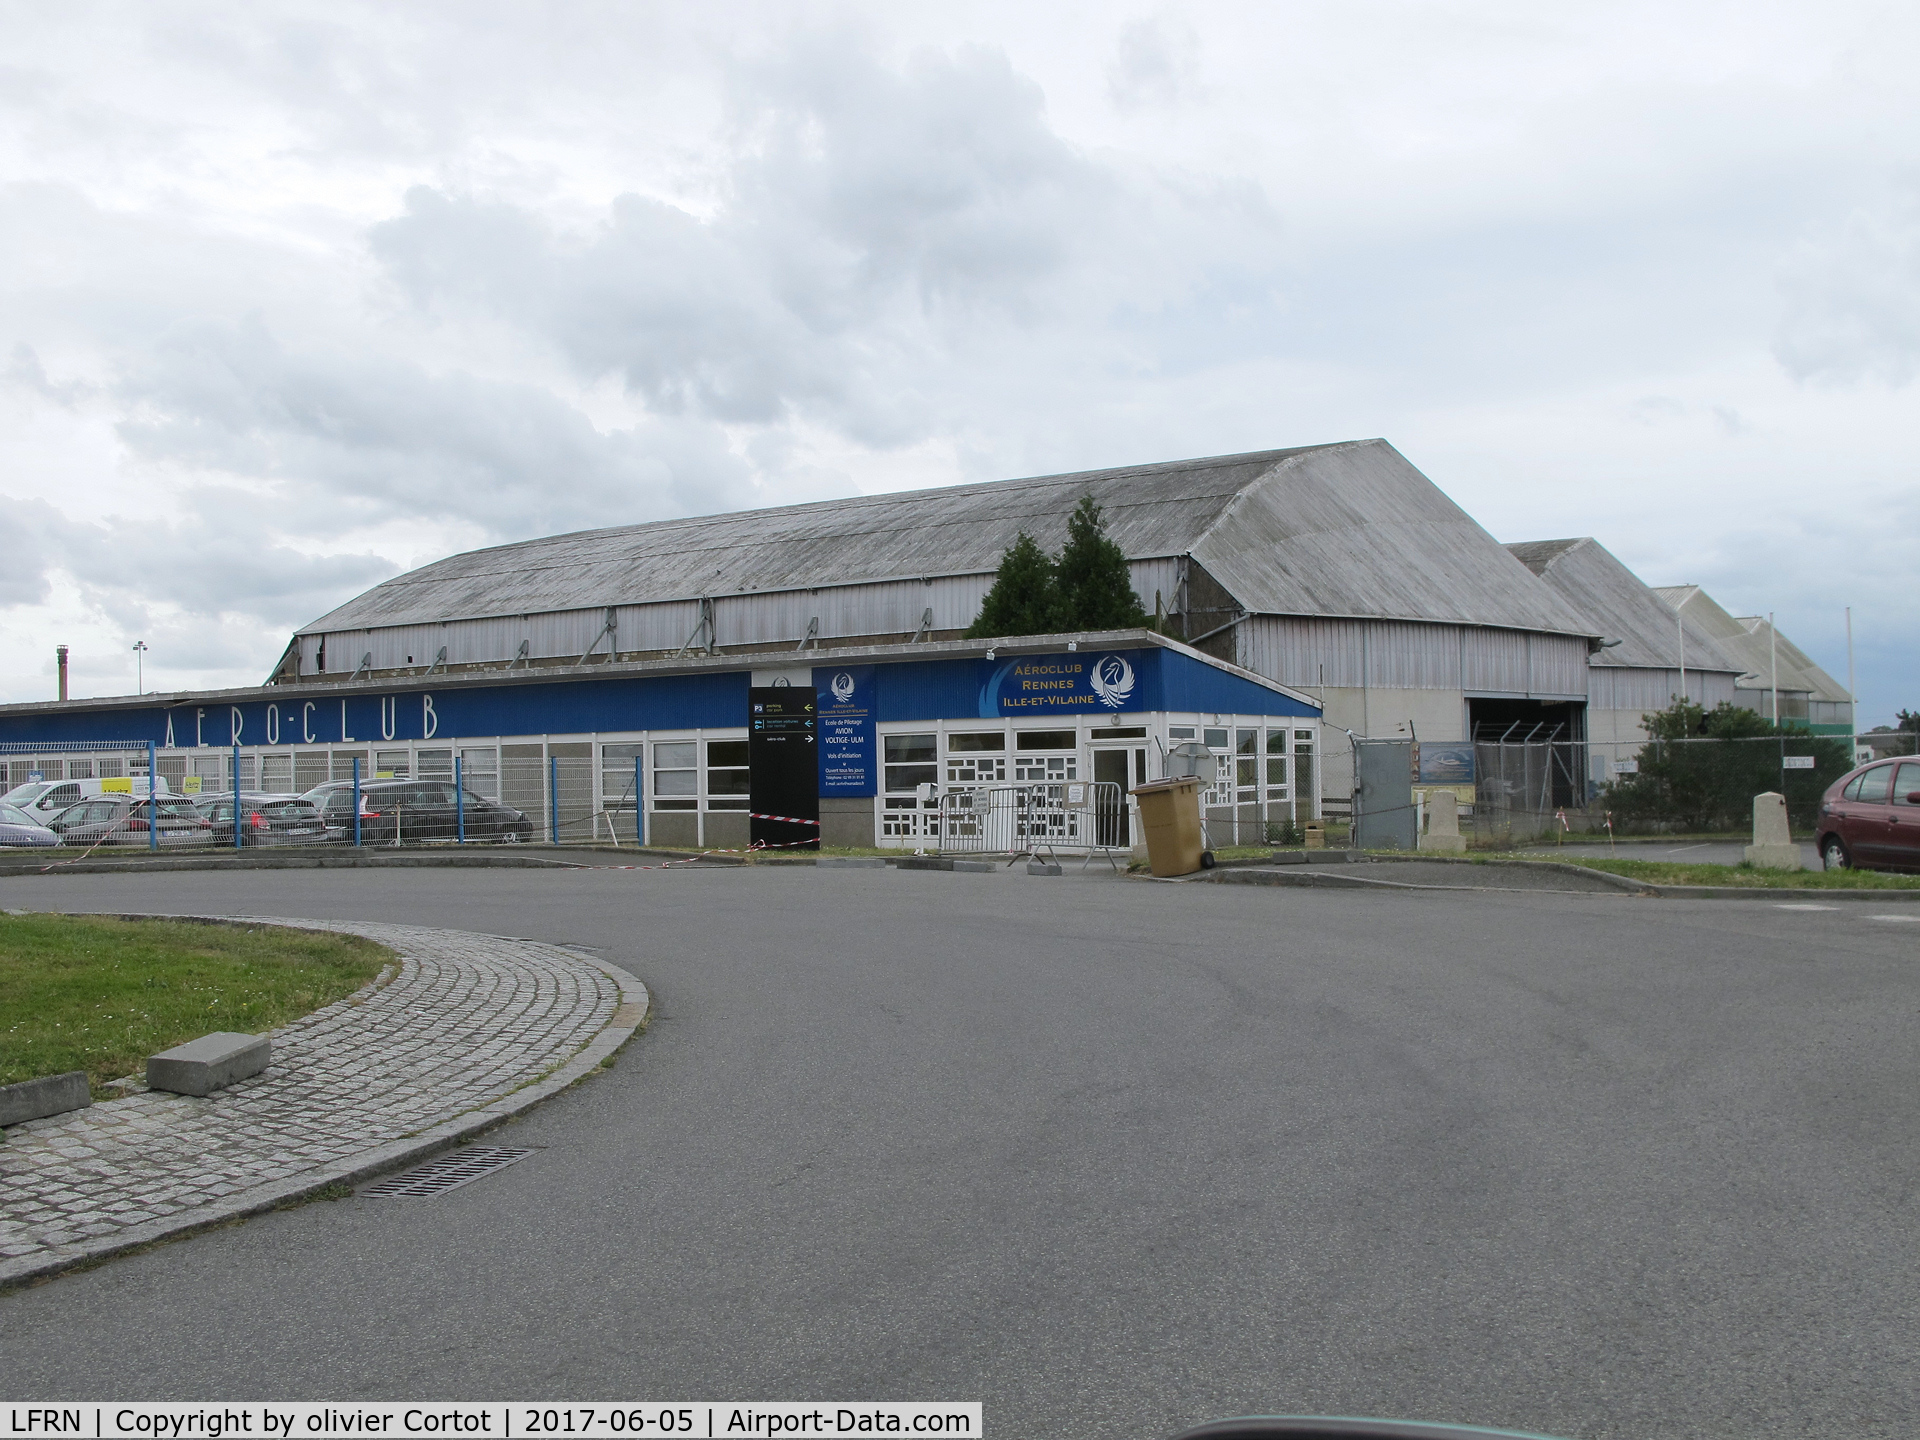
[1383, 813]
[1016, 820]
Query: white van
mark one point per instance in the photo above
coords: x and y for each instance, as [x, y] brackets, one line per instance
[43, 799]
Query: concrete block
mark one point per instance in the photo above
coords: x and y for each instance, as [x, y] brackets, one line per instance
[923, 862]
[47, 1095]
[850, 862]
[978, 867]
[210, 1063]
[1774, 857]
[1328, 857]
[1042, 867]
[1443, 825]
[1290, 857]
[1772, 847]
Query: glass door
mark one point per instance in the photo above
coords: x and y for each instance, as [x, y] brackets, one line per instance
[1125, 768]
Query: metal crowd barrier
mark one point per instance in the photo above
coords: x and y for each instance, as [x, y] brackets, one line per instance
[1087, 816]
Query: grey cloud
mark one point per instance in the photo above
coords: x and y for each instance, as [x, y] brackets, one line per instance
[203, 573]
[1852, 308]
[23, 371]
[385, 438]
[1156, 63]
[872, 214]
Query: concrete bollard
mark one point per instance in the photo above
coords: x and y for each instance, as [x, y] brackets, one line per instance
[1443, 824]
[1772, 847]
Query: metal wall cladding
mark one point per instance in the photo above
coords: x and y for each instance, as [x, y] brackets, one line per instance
[884, 608]
[1557, 665]
[1629, 687]
[1157, 578]
[1404, 655]
[666, 626]
[1297, 650]
[1496, 660]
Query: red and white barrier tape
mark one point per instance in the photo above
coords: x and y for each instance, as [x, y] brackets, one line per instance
[789, 819]
[694, 859]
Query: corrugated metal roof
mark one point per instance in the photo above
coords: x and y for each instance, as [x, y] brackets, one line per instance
[1348, 529]
[1614, 601]
[1745, 641]
[1356, 530]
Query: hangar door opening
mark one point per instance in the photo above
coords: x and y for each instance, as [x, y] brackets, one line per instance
[1529, 755]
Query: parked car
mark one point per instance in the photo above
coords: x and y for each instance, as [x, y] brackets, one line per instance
[43, 799]
[129, 819]
[21, 829]
[1871, 818]
[415, 810]
[265, 819]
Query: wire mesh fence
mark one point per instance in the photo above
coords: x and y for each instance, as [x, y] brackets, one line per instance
[114, 796]
[1524, 793]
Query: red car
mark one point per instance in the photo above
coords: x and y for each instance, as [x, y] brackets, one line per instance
[1871, 818]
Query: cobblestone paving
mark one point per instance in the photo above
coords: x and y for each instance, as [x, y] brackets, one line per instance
[465, 1019]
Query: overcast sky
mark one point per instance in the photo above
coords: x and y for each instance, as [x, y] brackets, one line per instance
[299, 296]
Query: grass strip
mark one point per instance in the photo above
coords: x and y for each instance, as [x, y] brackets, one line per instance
[82, 992]
[1663, 872]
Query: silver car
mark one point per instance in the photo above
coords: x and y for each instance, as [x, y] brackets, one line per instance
[17, 828]
[126, 820]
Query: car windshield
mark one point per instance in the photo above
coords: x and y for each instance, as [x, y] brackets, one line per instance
[14, 815]
[28, 793]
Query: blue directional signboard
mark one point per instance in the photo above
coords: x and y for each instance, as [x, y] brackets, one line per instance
[847, 705]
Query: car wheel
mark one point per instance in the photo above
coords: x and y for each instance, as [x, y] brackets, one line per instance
[509, 837]
[1833, 854]
[1207, 861]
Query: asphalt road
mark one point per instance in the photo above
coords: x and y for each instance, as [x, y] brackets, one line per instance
[1112, 1157]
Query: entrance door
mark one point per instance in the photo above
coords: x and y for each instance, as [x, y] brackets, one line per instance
[1125, 768]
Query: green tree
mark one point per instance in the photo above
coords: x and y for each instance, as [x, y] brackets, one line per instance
[1096, 584]
[1025, 598]
[1702, 768]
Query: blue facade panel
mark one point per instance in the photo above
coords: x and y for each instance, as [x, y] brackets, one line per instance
[1053, 686]
[1190, 684]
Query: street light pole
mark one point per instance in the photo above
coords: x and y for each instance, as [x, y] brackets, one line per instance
[140, 667]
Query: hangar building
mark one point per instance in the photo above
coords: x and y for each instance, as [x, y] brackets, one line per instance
[1329, 587]
[1339, 571]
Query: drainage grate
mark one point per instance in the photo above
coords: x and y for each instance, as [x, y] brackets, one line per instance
[449, 1172]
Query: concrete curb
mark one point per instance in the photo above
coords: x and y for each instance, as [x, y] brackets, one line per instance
[405, 860]
[629, 1017]
[1624, 884]
[1670, 892]
[1336, 880]
[1778, 892]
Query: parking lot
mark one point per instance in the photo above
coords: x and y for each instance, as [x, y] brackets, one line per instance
[1111, 1156]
